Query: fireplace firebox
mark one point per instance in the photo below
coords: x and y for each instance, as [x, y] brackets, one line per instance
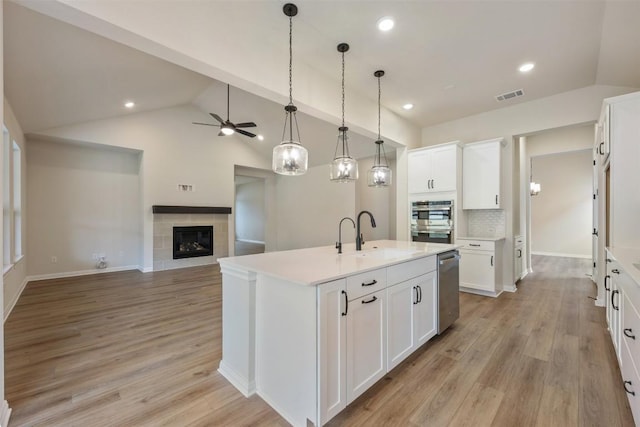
[193, 241]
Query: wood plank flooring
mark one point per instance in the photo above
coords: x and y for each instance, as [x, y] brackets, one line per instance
[133, 349]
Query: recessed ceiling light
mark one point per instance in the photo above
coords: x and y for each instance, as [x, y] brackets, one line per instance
[407, 106]
[525, 68]
[261, 138]
[129, 104]
[385, 24]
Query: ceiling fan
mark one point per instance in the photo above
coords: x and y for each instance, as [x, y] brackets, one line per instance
[226, 126]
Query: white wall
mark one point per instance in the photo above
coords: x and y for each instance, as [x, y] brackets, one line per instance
[15, 278]
[561, 214]
[250, 211]
[174, 152]
[83, 200]
[310, 208]
[571, 138]
[1, 280]
[379, 201]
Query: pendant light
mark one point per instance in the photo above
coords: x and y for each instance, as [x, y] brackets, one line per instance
[534, 187]
[290, 157]
[343, 168]
[379, 175]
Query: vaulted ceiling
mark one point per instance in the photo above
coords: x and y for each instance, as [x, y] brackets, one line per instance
[449, 58]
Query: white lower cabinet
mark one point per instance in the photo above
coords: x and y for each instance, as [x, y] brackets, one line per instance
[623, 318]
[481, 266]
[366, 343]
[362, 336]
[411, 318]
[332, 337]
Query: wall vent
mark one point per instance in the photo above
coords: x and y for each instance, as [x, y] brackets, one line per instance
[509, 95]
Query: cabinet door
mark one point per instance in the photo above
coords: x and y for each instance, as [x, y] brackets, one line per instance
[481, 176]
[425, 311]
[418, 172]
[517, 256]
[401, 300]
[367, 343]
[332, 345]
[477, 270]
[443, 169]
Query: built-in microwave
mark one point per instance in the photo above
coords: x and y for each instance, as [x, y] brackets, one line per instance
[432, 221]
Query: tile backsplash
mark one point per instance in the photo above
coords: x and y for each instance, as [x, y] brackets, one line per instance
[486, 223]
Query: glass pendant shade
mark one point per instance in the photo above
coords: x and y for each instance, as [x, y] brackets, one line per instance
[343, 168]
[380, 174]
[290, 158]
[534, 188]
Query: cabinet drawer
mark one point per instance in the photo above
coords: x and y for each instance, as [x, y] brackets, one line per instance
[631, 328]
[365, 283]
[408, 270]
[483, 245]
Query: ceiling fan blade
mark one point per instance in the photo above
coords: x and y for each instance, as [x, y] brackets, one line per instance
[205, 124]
[217, 117]
[244, 132]
[246, 125]
[221, 134]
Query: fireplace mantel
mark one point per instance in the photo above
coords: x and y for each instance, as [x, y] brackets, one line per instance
[161, 209]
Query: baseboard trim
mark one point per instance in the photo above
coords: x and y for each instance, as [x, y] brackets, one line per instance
[510, 288]
[247, 388]
[80, 273]
[5, 413]
[13, 304]
[480, 292]
[142, 269]
[558, 254]
[259, 242]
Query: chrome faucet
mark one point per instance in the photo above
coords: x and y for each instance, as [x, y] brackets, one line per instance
[359, 238]
[339, 242]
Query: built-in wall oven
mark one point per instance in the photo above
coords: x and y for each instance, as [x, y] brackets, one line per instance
[432, 221]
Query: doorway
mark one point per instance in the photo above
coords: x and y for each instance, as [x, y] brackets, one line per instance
[250, 215]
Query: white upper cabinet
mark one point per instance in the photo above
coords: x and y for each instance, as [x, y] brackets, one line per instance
[433, 169]
[481, 175]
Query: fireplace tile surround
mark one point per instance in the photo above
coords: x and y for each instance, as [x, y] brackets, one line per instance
[163, 239]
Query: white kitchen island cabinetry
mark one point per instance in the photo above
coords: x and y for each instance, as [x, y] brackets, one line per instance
[307, 329]
[481, 174]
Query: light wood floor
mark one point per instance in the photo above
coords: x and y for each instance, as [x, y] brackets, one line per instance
[133, 349]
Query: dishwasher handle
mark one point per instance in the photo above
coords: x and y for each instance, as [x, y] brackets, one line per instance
[454, 257]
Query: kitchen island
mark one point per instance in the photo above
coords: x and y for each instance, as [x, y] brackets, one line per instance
[309, 330]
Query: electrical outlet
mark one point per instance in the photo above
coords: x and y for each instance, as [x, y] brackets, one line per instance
[54, 259]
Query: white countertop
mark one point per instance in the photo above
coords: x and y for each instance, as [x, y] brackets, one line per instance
[312, 266]
[627, 257]
[485, 239]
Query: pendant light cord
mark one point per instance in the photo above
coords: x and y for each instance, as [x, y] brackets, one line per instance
[379, 93]
[290, 61]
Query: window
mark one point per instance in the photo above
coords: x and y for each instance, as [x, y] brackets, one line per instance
[6, 198]
[17, 203]
[11, 201]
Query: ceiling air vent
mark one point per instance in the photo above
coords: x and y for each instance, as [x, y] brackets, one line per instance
[510, 95]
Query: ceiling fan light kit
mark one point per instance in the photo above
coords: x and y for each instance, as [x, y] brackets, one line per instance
[380, 174]
[227, 127]
[290, 157]
[343, 168]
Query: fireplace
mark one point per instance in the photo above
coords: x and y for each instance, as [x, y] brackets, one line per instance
[194, 241]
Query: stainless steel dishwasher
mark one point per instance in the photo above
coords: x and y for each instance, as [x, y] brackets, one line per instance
[448, 289]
